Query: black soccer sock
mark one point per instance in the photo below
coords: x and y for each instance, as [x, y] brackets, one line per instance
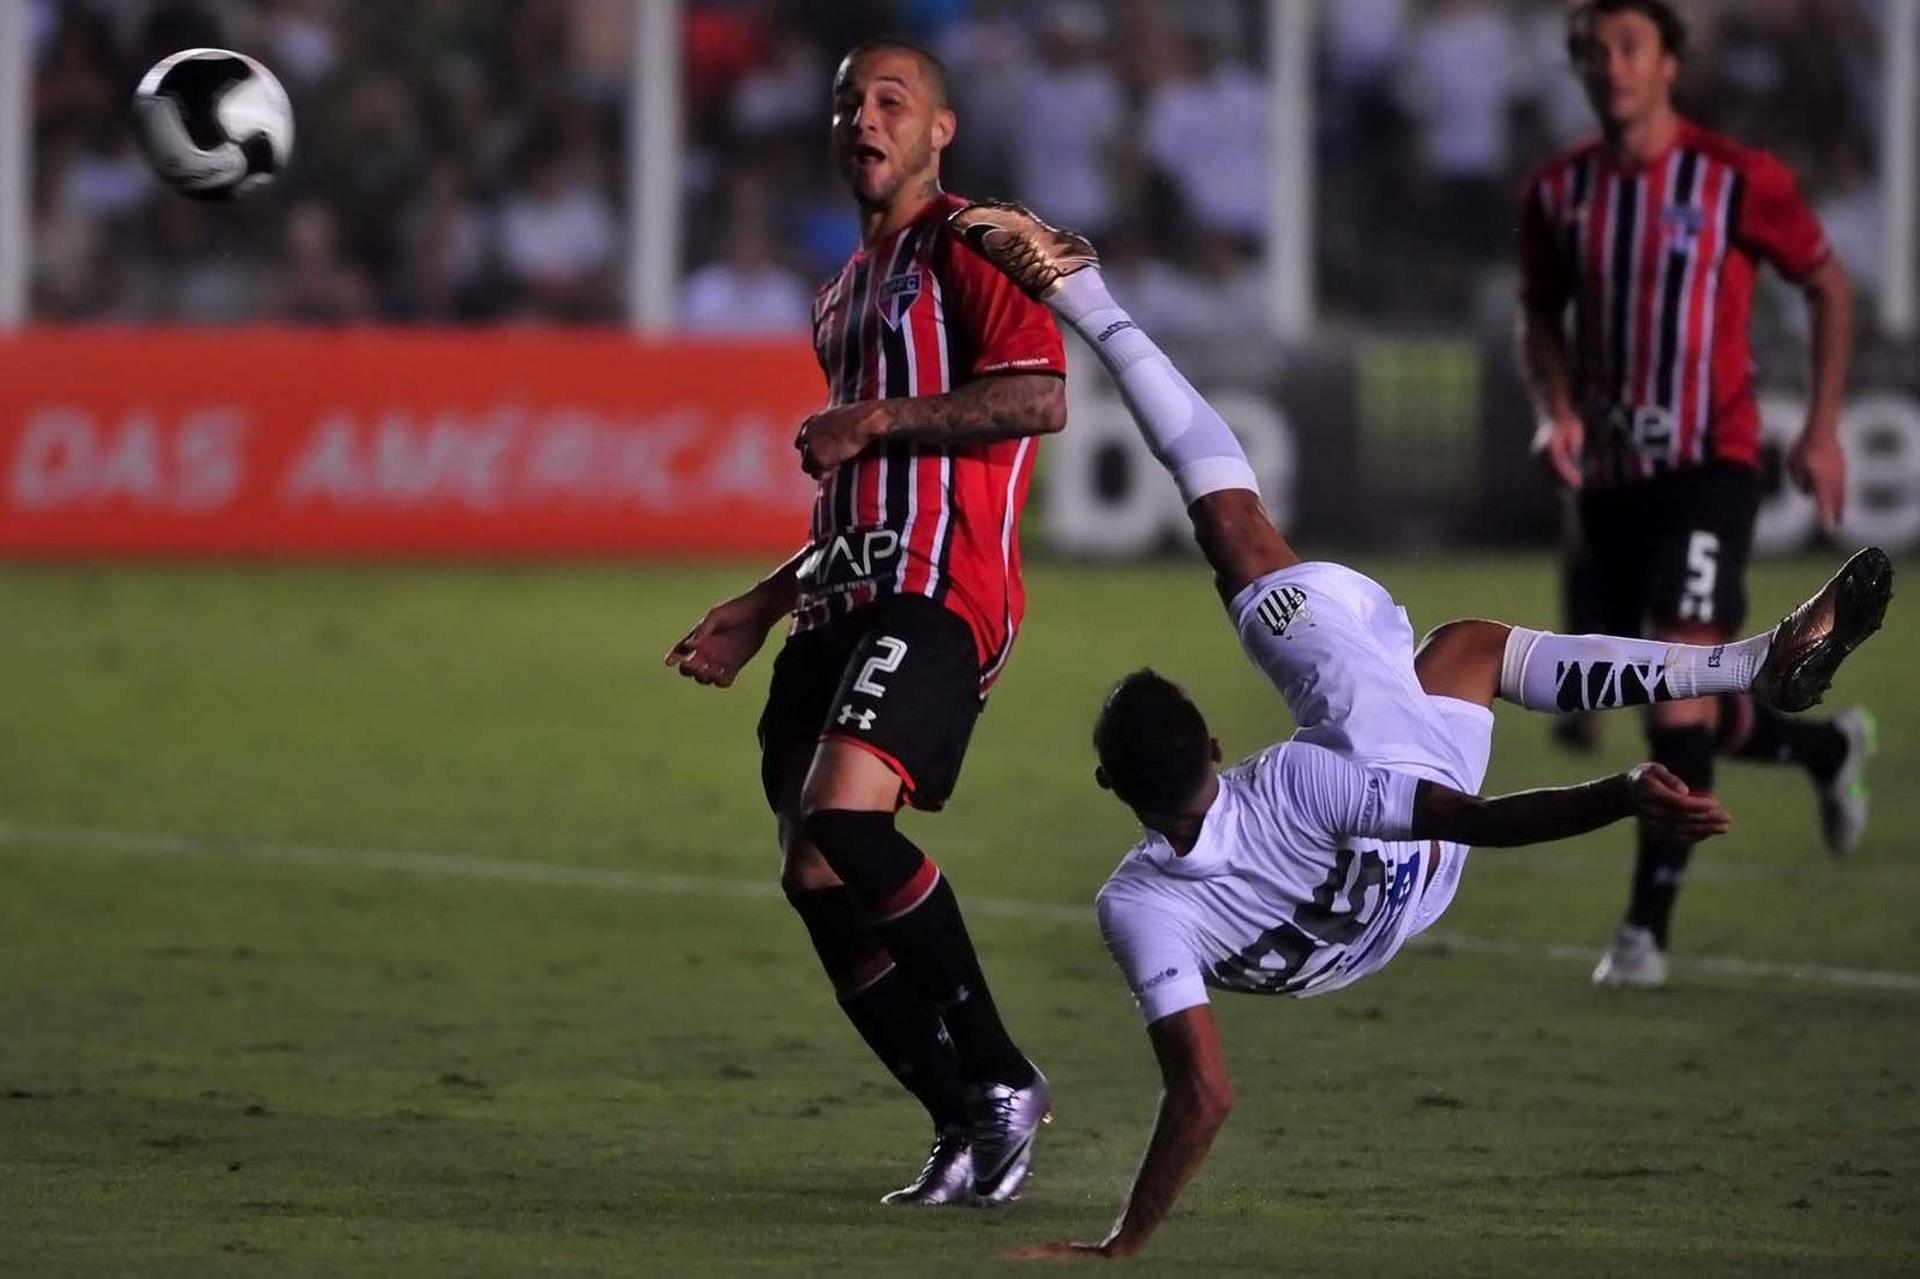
[900, 1026]
[1753, 730]
[919, 919]
[1660, 865]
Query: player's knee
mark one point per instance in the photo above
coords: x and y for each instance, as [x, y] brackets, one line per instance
[1462, 658]
[802, 868]
[864, 850]
[1466, 636]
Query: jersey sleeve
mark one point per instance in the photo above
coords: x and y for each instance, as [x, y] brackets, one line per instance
[1147, 940]
[1545, 284]
[1002, 329]
[1775, 222]
[1341, 799]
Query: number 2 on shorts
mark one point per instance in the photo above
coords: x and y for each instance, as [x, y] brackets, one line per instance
[883, 663]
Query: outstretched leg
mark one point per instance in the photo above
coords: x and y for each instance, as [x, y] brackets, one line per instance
[1186, 434]
[1788, 667]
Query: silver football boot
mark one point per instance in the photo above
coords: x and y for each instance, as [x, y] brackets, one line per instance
[947, 1177]
[1633, 959]
[1002, 1121]
[1843, 799]
[1811, 642]
[1033, 254]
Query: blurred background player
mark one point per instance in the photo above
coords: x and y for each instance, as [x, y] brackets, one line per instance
[905, 602]
[1651, 236]
[1308, 866]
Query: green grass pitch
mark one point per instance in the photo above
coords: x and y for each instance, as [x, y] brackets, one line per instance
[417, 922]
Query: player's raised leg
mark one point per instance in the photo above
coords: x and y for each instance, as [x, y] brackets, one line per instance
[1788, 667]
[1186, 434]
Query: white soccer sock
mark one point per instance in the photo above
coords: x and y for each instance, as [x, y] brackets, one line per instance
[1543, 671]
[1188, 437]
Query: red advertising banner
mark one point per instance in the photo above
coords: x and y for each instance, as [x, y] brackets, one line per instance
[130, 442]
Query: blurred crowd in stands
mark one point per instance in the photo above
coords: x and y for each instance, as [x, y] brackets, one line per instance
[462, 161]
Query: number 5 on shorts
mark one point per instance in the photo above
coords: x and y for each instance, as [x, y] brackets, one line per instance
[1703, 574]
[884, 663]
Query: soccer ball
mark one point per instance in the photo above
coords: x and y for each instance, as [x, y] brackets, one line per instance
[215, 124]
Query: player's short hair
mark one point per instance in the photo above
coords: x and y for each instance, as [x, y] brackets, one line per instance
[930, 65]
[1152, 742]
[1672, 27]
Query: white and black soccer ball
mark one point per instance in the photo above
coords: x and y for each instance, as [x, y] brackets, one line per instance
[215, 124]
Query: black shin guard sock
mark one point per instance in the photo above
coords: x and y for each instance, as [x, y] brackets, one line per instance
[909, 1038]
[1660, 865]
[901, 1027]
[936, 933]
[1753, 730]
[921, 925]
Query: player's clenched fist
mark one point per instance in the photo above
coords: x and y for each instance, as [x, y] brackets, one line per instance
[1665, 805]
[834, 437]
[725, 640]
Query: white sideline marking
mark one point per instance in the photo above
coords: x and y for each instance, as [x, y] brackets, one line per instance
[467, 866]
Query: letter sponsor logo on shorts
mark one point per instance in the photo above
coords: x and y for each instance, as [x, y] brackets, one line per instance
[853, 715]
[1282, 607]
[1155, 980]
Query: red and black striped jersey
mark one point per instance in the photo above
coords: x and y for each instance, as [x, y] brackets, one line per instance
[918, 313]
[1658, 263]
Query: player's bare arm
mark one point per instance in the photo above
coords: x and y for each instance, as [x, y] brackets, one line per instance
[1196, 1098]
[1649, 792]
[1816, 461]
[1544, 364]
[1008, 406]
[727, 638]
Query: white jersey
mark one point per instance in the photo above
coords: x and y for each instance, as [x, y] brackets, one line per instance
[1304, 877]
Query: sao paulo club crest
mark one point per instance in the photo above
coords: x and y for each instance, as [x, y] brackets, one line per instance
[897, 295]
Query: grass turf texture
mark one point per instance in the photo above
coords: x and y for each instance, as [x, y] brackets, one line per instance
[291, 1051]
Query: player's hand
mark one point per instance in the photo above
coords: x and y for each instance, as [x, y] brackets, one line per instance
[833, 437]
[725, 640]
[1559, 445]
[1058, 1250]
[1819, 468]
[1667, 808]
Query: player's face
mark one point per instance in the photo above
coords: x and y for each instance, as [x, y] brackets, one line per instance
[1627, 73]
[888, 127]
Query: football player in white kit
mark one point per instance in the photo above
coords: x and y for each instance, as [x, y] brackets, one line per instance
[1308, 866]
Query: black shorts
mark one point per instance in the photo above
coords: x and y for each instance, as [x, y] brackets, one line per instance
[900, 679]
[1672, 550]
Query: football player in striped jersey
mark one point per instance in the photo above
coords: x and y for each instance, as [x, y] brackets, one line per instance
[1639, 251]
[1308, 866]
[941, 377]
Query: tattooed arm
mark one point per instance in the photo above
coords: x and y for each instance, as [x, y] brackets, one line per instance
[1005, 406]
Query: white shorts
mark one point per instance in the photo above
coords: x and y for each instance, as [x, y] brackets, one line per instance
[1341, 653]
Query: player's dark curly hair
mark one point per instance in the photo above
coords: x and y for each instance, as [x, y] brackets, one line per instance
[1580, 20]
[1152, 742]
